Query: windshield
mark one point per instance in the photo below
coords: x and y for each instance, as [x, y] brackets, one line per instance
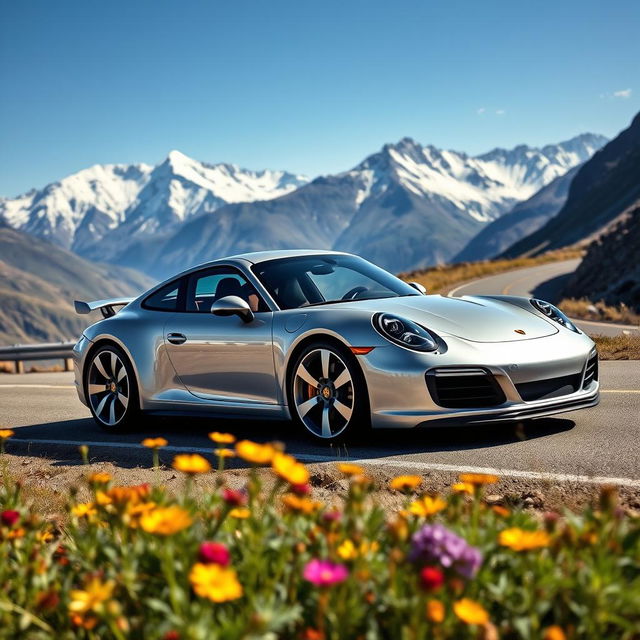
[304, 281]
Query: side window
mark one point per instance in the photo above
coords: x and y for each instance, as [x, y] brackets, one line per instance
[205, 287]
[164, 299]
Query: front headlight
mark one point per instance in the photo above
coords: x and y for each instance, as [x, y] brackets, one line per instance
[553, 313]
[404, 332]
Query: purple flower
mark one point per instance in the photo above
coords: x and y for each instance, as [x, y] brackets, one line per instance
[436, 543]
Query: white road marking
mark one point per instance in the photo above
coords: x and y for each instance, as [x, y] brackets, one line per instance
[37, 386]
[405, 465]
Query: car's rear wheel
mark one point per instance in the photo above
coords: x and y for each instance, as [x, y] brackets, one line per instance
[111, 390]
[328, 394]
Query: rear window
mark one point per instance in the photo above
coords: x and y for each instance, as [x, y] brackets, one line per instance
[164, 299]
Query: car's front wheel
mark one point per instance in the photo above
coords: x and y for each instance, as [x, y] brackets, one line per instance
[111, 390]
[328, 394]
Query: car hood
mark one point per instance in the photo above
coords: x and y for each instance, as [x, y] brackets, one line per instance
[473, 318]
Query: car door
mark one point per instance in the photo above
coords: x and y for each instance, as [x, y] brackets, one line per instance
[222, 358]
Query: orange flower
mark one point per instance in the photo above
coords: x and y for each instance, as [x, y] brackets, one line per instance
[554, 632]
[521, 540]
[464, 487]
[154, 443]
[165, 521]
[217, 583]
[289, 469]
[435, 611]
[222, 438]
[224, 453]
[6, 433]
[121, 496]
[349, 469]
[500, 510]
[303, 505]
[240, 512]
[478, 478]
[255, 453]
[99, 477]
[44, 536]
[191, 463]
[405, 483]
[427, 506]
[470, 611]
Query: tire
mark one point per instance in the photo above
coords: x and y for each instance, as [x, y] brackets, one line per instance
[327, 393]
[116, 406]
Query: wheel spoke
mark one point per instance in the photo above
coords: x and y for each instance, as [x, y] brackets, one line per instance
[303, 373]
[100, 367]
[121, 374]
[123, 400]
[306, 406]
[112, 410]
[101, 405]
[324, 358]
[326, 427]
[342, 409]
[96, 388]
[114, 364]
[343, 378]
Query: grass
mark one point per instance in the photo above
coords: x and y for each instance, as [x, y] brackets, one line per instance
[587, 310]
[442, 279]
[618, 347]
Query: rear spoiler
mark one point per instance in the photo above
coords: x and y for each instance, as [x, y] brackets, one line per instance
[105, 306]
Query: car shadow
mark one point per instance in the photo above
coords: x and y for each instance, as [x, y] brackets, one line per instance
[60, 440]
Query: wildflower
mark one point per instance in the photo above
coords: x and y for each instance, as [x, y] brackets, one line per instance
[255, 453]
[121, 496]
[214, 553]
[191, 463]
[9, 517]
[431, 578]
[84, 510]
[521, 540]
[92, 597]
[554, 632]
[218, 584]
[224, 453]
[44, 536]
[301, 504]
[478, 479]
[427, 506]
[436, 543]
[312, 634]
[165, 521]
[332, 516]
[470, 611]
[171, 635]
[154, 443]
[234, 498]
[323, 573]
[405, 483]
[500, 510]
[241, 514]
[289, 469]
[301, 489]
[349, 469]
[435, 611]
[15, 534]
[47, 600]
[222, 438]
[5, 434]
[464, 487]
[99, 477]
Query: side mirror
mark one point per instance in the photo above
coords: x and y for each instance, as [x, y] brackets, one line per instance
[232, 305]
[419, 287]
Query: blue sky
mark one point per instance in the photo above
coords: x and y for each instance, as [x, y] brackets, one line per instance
[312, 87]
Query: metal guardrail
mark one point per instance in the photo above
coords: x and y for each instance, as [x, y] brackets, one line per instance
[20, 353]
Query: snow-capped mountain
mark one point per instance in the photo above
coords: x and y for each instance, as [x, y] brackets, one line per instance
[98, 208]
[405, 207]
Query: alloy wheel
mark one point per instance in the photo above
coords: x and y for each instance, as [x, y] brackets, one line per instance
[108, 387]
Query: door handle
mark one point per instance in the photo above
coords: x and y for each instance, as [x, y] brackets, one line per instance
[176, 338]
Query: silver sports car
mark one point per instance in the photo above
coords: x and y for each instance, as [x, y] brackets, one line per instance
[334, 343]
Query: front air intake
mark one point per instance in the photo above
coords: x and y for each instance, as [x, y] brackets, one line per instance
[464, 388]
[591, 370]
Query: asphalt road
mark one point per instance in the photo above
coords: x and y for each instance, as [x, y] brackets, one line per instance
[545, 281]
[601, 443]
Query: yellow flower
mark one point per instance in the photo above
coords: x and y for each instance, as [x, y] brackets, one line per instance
[165, 520]
[405, 483]
[6, 433]
[84, 510]
[427, 506]
[224, 453]
[255, 453]
[521, 540]
[154, 443]
[191, 463]
[240, 512]
[92, 597]
[470, 611]
[554, 632]
[44, 536]
[136, 510]
[289, 469]
[222, 438]
[121, 496]
[478, 478]
[218, 584]
[348, 550]
[435, 611]
[464, 487]
[99, 477]
[350, 469]
[304, 505]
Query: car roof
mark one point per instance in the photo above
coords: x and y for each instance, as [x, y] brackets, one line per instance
[256, 257]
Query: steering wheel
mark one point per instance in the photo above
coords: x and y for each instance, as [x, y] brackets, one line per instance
[352, 294]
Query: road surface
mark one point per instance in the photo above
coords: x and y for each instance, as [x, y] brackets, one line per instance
[544, 281]
[601, 443]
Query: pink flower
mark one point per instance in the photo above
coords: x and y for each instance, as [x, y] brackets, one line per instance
[332, 516]
[323, 573]
[9, 517]
[234, 498]
[214, 553]
[301, 489]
